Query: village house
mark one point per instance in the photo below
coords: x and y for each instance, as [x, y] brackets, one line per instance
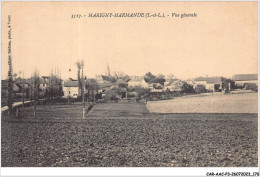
[170, 81]
[43, 84]
[135, 81]
[138, 81]
[242, 80]
[103, 88]
[210, 83]
[190, 81]
[71, 88]
[156, 87]
[4, 86]
[101, 79]
[22, 82]
[174, 86]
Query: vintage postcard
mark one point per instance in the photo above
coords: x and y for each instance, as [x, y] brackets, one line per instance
[129, 84]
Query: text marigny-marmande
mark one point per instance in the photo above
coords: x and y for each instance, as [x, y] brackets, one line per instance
[137, 15]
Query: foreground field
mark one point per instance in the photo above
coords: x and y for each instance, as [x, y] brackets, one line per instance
[141, 139]
[208, 103]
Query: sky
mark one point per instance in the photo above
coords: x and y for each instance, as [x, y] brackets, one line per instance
[220, 41]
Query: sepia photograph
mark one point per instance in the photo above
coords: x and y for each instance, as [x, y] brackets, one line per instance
[129, 84]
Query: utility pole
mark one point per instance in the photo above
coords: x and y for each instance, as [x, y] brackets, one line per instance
[10, 86]
[83, 97]
[83, 89]
[23, 96]
[34, 93]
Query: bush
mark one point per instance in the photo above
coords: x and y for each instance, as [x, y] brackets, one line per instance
[101, 101]
[132, 94]
[251, 86]
[200, 89]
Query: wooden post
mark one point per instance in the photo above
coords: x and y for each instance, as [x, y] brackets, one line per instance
[23, 98]
[17, 112]
[83, 97]
[34, 109]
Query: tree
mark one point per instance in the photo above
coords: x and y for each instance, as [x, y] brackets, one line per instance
[170, 76]
[149, 77]
[36, 89]
[91, 86]
[14, 76]
[141, 91]
[187, 88]
[54, 86]
[126, 78]
[119, 74]
[160, 79]
[113, 79]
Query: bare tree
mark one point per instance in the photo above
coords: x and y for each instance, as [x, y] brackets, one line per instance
[36, 89]
[119, 74]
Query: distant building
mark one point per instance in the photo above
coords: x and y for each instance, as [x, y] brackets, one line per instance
[190, 81]
[101, 79]
[241, 80]
[156, 88]
[22, 82]
[71, 88]
[122, 92]
[174, 86]
[210, 83]
[138, 81]
[169, 81]
[135, 81]
[43, 84]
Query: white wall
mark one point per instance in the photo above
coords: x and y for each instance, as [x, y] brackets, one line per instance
[70, 91]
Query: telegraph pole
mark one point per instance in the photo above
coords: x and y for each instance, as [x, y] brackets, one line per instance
[83, 89]
[23, 96]
[83, 97]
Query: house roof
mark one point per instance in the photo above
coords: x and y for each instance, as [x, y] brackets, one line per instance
[70, 79]
[158, 86]
[45, 77]
[173, 82]
[245, 77]
[210, 80]
[122, 90]
[20, 81]
[31, 80]
[71, 84]
[106, 78]
[104, 85]
[120, 81]
[136, 78]
[114, 87]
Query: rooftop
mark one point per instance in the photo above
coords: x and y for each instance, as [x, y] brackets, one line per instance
[245, 77]
[71, 83]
